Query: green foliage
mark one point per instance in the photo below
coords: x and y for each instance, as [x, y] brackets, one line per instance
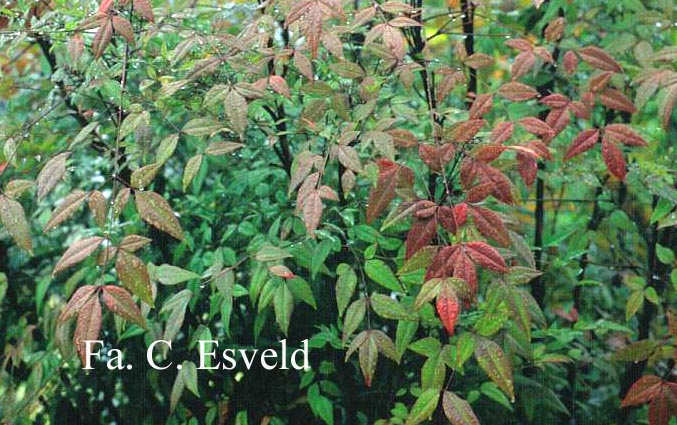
[468, 210]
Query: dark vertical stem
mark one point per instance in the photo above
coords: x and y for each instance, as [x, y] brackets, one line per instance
[468, 20]
[538, 285]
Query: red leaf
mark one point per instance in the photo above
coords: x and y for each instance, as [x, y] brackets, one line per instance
[105, 6]
[583, 142]
[120, 302]
[421, 234]
[384, 192]
[279, 85]
[502, 185]
[436, 158]
[528, 168]
[555, 101]
[570, 62]
[479, 192]
[522, 64]
[312, 212]
[502, 132]
[580, 110]
[442, 265]
[482, 104]
[598, 58]
[123, 27]
[517, 92]
[624, 134]
[664, 405]
[614, 99]
[467, 130]
[77, 301]
[519, 44]
[88, 325]
[145, 9]
[490, 225]
[486, 256]
[447, 218]
[539, 128]
[460, 213]
[558, 119]
[102, 37]
[642, 391]
[600, 81]
[554, 30]
[465, 269]
[613, 158]
[448, 307]
[489, 153]
[540, 148]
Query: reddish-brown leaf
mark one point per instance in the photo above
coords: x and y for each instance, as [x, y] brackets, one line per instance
[478, 60]
[522, 64]
[77, 252]
[479, 192]
[490, 224]
[663, 406]
[403, 138]
[460, 213]
[65, 210]
[157, 212]
[570, 62]
[384, 192]
[502, 132]
[120, 302]
[447, 218]
[102, 37]
[580, 110]
[614, 159]
[79, 298]
[394, 41]
[555, 101]
[600, 81]
[624, 134]
[583, 142]
[145, 9]
[448, 307]
[436, 158]
[123, 27]
[105, 6]
[519, 44]
[558, 119]
[467, 130]
[539, 128]
[482, 104]
[421, 234]
[527, 167]
[614, 99]
[488, 153]
[598, 58]
[457, 410]
[539, 148]
[554, 30]
[279, 85]
[312, 212]
[442, 264]
[132, 243]
[486, 256]
[134, 276]
[502, 185]
[465, 269]
[642, 391]
[517, 92]
[88, 325]
[98, 205]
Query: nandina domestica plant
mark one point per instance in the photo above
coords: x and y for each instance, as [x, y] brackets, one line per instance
[458, 211]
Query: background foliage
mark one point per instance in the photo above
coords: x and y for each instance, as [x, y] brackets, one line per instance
[468, 208]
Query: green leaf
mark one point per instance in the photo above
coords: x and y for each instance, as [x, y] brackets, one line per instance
[651, 295]
[302, 291]
[457, 410]
[345, 286]
[283, 302]
[133, 274]
[635, 352]
[406, 330]
[665, 255]
[379, 272]
[225, 284]
[495, 364]
[13, 217]
[271, 253]
[202, 127]
[424, 407]
[172, 275]
[428, 292]
[388, 308]
[354, 316]
[634, 303]
[155, 210]
[192, 167]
